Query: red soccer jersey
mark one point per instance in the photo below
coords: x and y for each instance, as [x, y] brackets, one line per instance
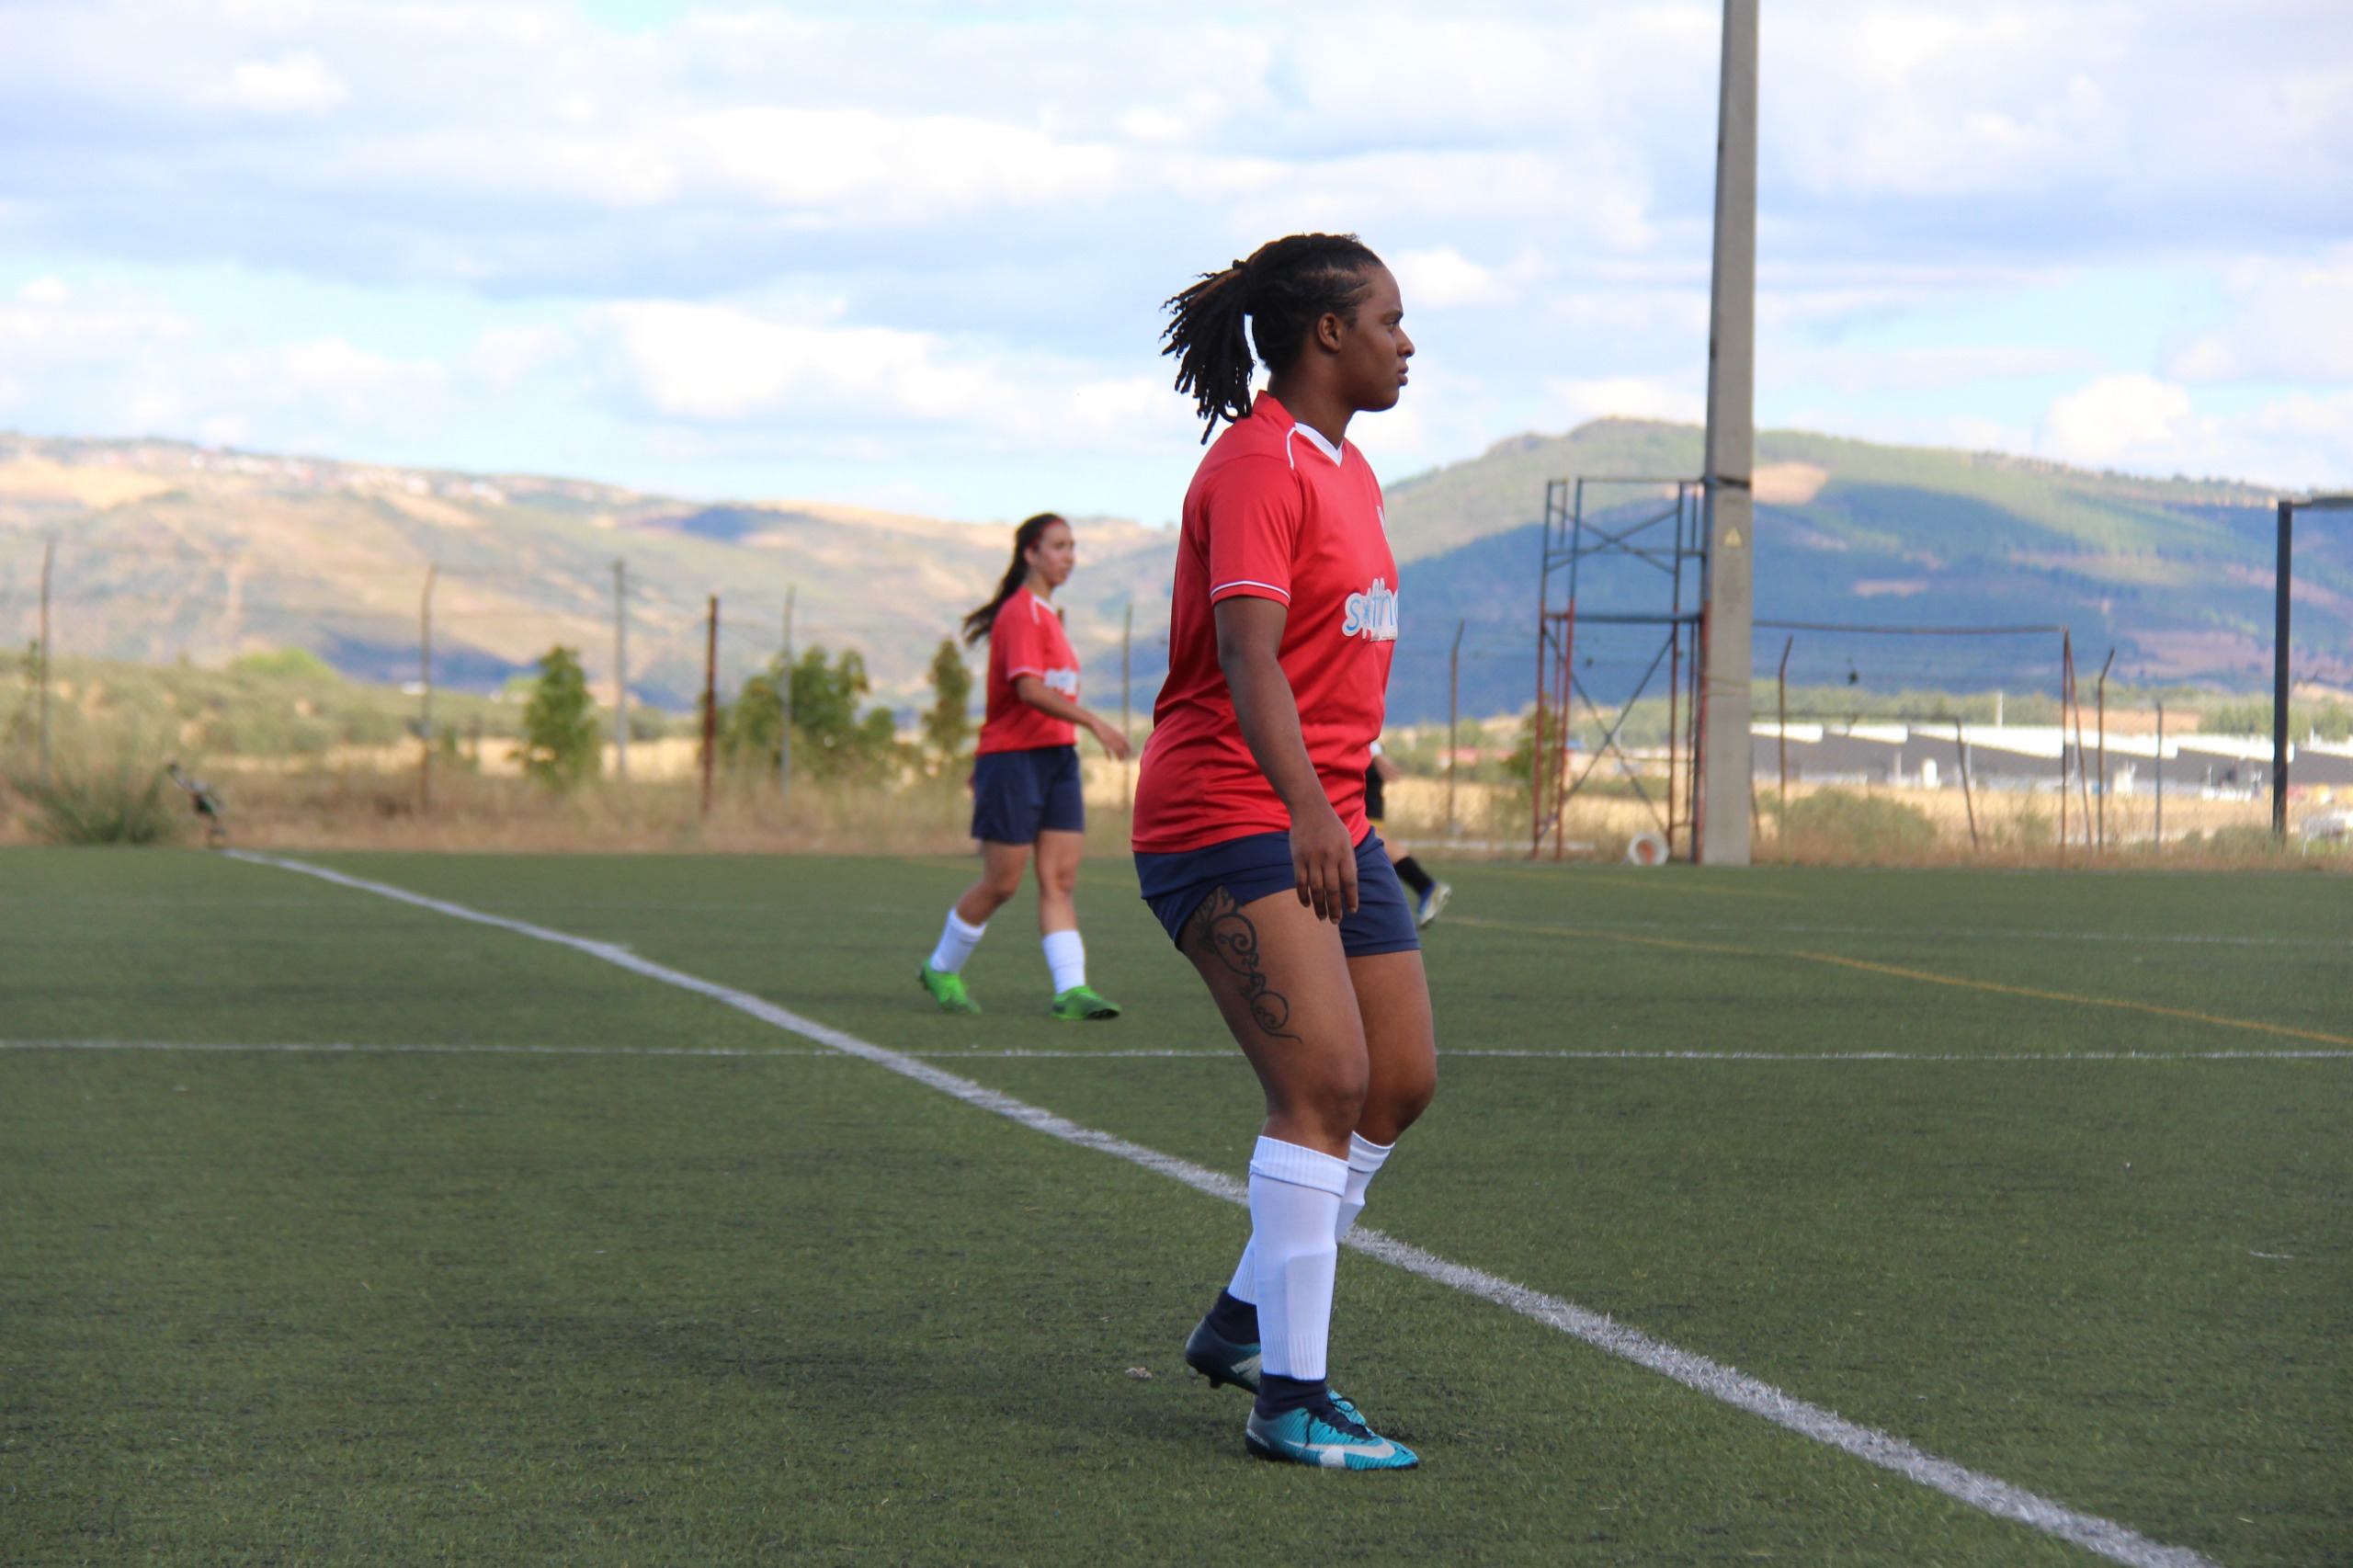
[1273, 513]
[1027, 640]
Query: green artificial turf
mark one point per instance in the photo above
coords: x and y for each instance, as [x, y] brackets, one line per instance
[781, 1306]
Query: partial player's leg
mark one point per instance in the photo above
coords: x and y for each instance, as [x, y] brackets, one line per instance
[1059, 854]
[968, 921]
[1401, 1059]
[1281, 979]
[1430, 895]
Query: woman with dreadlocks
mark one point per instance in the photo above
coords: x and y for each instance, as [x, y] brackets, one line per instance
[1251, 841]
[1025, 779]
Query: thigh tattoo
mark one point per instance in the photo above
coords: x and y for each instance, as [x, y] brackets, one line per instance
[1221, 927]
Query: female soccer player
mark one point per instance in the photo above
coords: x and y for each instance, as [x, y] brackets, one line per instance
[1250, 834]
[1025, 780]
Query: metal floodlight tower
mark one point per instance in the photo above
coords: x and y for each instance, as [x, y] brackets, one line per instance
[1721, 832]
[2281, 576]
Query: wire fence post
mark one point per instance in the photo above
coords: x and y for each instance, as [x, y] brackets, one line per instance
[48, 564]
[710, 699]
[424, 687]
[784, 699]
[2160, 771]
[1968, 804]
[1453, 719]
[1781, 829]
[1127, 721]
[620, 670]
[2100, 697]
[2066, 690]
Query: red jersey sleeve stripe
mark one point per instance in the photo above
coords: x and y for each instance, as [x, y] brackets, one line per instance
[1019, 670]
[1247, 585]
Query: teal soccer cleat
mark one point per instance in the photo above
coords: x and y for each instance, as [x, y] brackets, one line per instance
[1219, 1359]
[1330, 1436]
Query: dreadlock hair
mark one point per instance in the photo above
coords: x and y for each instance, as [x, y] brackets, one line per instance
[1286, 287]
[1025, 539]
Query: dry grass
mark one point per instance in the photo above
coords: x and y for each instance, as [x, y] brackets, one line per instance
[375, 808]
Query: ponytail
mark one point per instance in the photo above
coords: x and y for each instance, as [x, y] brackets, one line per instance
[1025, 539]
[1286, 287]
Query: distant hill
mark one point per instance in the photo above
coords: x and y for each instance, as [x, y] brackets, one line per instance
[168, 551]
[2175, 574]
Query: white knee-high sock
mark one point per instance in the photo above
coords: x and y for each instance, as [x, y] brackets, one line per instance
[1066, 957]
[1365, 1158]
[956, 944]
[1294, 1208]
[1364, 1161]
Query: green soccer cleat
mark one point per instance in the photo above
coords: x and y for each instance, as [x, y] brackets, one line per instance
[1219, 1359]
[1079, 1003]
[947, 990]
[1330, 1436]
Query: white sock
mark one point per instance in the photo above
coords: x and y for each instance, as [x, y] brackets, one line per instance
[1364, 1159]
[1066, 956]
[1245, 1274]
[956, 944]
[1294, 1205]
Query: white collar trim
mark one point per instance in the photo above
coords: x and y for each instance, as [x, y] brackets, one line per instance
[1316, 438]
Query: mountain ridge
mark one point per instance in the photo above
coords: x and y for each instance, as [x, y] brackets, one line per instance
[170, 550]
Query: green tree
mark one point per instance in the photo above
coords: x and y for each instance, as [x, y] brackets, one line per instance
[830, 738]
[750, 726]
[561, 745]
[948, 724]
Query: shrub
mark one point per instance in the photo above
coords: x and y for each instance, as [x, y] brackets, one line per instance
[107, 794]
[948, 722]
[285, 663]
[560, 747]
[750, 727]
[829, 739]
[1868, 826]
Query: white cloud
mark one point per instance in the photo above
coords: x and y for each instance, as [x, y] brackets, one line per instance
[1623, 397]
[1441, 278]
[2290, 322]
[299, 84]
[2118, 419]
[716, 362]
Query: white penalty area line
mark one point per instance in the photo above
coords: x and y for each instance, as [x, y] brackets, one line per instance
[1996, 1497]
[357, 1048]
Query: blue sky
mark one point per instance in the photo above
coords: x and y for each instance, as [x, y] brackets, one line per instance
[912, 255]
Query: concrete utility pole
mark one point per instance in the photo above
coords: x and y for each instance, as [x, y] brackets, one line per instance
[620, 670]
[1724, 753]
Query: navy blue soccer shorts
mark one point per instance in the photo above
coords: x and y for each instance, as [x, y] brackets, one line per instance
[1251, 867]
[1017, 795]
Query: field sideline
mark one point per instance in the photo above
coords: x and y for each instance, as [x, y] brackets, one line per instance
[2044, 1175]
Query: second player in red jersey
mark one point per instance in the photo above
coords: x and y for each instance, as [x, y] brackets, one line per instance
[1027, 639]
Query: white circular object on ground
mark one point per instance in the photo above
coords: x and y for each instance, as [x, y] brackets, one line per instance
[1646, 849]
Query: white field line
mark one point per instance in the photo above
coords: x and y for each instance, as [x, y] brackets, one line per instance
[1993, 1497]
[976, 1054]
[342, 1048]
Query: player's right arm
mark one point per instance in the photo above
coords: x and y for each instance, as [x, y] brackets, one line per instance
[1249, 639]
